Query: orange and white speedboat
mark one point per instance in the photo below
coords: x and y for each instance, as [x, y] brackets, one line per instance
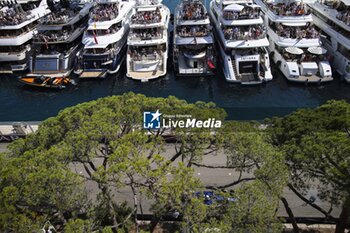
[46, 82]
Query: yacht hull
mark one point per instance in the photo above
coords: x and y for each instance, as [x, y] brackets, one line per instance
[229, 64]
[283, 66]
[89, 72]
[150, 66]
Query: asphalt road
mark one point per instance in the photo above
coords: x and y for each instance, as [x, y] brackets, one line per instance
[213, 177]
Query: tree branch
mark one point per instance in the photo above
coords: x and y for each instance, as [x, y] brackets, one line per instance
[290, 214]
[231, 184]
[224, 167]
[310, 203]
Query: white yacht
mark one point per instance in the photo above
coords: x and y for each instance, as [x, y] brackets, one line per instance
[194, 51]
[242, 40]
[18, 23]
[332, 17]
[295, 43]
[105, 39]
[148, 41]
[56, 45]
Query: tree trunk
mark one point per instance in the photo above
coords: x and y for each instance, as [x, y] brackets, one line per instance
[344, 217]
[291, 215]
[135, 207]
[154, 222]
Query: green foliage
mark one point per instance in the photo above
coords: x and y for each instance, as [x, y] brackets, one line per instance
[316, 144]
[78, 226]
[99, 144]
[254, 210]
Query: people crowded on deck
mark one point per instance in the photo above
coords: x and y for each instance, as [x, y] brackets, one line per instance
[146, 17]
[193, 11]
[193, 31]
[291, 9]
[13, 16]
[305, 57]
[246, 13]
[101, 32]
[59, 17]
[145, 53]
[105, 12]
[52, 37]
[305, 32]
[244, 32]
[146, 34]
[344, 16]
[18, 32]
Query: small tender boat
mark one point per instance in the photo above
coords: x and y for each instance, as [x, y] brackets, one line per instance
[46, 82]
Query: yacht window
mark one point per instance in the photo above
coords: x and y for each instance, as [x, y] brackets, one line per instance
[344, 51]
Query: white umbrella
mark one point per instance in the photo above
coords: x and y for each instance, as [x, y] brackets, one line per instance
[317, 50]
[294, 50]
[234, 7]
[253, 6]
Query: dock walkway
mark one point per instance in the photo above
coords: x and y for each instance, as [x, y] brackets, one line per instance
[12, 131]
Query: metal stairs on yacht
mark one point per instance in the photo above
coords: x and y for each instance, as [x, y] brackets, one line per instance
[234, 69]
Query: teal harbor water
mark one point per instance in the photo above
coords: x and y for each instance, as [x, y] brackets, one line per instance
[276, 98]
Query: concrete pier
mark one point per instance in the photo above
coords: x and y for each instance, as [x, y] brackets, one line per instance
[10, 131]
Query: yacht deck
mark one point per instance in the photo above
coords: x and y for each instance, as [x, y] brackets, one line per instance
[92, 74]
[145, 76]
[310, 79]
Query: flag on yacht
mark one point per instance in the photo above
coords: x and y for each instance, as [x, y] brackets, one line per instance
[210, 64]
[94, 33]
